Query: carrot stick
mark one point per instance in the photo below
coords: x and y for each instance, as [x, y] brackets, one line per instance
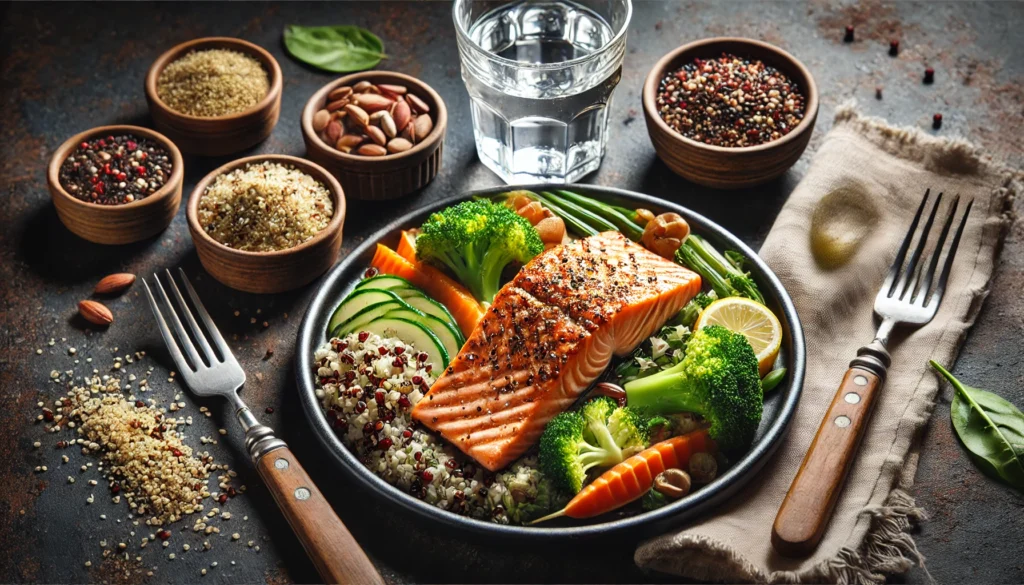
[459, 301]
[407, 246]
[630, 480]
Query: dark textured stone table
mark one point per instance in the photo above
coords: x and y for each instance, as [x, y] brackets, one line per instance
[67, 67]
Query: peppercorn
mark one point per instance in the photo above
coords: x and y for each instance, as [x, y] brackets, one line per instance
[729, 101]
[937, 121]
[929, 75]
[894, 47]
[848, 38]
[270, 410]
[115, 170]
[878, 92]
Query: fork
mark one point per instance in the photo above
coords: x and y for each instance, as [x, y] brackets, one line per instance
[908, 297]
[212, 370]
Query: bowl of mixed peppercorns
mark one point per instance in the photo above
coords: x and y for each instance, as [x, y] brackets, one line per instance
[729, 112]
[116, 184]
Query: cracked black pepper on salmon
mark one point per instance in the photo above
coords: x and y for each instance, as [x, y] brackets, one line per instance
[550, 332]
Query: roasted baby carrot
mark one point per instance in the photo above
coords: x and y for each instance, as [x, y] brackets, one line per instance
[459, 302]
[630, 480]
[407, 246]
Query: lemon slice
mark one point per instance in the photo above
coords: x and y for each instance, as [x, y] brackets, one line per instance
[751, 319]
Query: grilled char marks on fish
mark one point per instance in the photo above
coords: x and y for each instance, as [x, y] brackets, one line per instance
[548, 335]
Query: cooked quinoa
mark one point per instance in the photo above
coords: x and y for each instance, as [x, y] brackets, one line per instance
[368, 386]
[213, 82]
[265, 206]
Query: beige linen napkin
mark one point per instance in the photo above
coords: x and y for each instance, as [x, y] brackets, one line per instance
[866, 536]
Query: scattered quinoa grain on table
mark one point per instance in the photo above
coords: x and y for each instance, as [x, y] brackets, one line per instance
[213, 82]
[730, 101]
[265, 206]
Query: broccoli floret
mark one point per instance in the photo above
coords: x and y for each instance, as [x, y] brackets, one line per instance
[717, 379]
[476, 240]
[529, 496]
[600, 434]
[688, 314]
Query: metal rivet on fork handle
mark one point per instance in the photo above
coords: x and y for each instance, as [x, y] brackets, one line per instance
[301, 493]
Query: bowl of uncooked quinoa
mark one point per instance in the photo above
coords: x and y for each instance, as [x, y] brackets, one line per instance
[729, 112]
[116, 184]
[267, 223]
[215, 96]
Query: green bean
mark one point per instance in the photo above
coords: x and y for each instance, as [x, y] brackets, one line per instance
[774, 377]
[592, 219]
[609, 213]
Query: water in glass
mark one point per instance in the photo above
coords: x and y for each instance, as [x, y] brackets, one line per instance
[540, 77]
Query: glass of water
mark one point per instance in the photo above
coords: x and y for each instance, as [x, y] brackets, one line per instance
[540, 76]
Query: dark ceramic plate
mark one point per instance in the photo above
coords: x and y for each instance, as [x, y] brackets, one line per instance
[779, 405]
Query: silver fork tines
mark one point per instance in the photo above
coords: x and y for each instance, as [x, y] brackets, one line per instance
[910, 294]
[208, 369]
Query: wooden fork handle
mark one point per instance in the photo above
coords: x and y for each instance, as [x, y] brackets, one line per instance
[337, 556]
[808, 505]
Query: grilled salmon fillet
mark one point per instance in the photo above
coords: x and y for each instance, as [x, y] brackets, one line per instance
[549, 334]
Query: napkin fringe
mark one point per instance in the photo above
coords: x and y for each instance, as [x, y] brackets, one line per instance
[887, 548]
[943, 156]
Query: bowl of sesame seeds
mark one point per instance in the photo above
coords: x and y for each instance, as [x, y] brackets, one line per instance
[215, 96]
[267, 223]
[729, 112]
[116, 184]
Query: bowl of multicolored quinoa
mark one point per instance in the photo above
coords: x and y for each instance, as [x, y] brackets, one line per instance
[267, 223]
[116, 184]
[729, 112]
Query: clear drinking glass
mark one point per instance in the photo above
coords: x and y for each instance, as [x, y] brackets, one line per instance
[540, 77]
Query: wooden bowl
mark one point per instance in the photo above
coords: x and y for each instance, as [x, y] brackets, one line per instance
[220, 135]
[380, 177]
[280, 270]
[117, 224]
[718, 166]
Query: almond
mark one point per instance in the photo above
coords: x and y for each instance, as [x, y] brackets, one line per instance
[357, 114]
[423, 125]
[402, 115]
[392, 89]
[320, 120]
[397, 145]
[387, 124]
[372, 102]
[377, 135]
[339, 93]
[337, 105]
[372, 150]
[95, 313]
[114, 284]
[417, 104]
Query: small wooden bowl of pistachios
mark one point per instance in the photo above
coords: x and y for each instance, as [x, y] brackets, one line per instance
[380, 133]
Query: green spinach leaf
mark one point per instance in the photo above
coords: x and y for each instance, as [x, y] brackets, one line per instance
[991, 428]
[341, 49]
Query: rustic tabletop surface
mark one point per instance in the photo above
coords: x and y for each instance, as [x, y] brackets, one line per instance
[68, 67]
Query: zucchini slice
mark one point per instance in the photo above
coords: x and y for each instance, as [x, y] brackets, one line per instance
[366, 315]
[411, 332]
[355, 302]
[437, 327]
[383, 281]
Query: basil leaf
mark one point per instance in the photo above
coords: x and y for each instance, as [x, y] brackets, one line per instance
[340, 49]
[991, 428]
